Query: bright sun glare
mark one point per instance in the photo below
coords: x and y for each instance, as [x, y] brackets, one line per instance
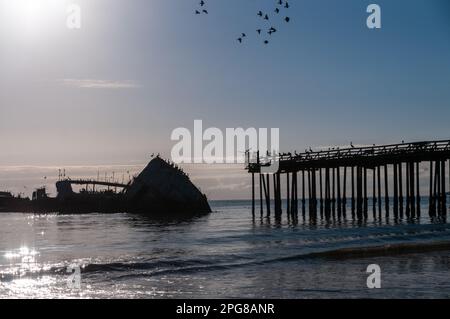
[31, 17]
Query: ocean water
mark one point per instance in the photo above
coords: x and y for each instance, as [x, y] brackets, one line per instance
[226, 254]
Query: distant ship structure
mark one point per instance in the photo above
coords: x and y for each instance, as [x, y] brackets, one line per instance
[161, 188]
[12, 203]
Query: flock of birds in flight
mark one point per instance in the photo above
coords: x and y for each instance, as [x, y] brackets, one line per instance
[202, 9]
[280, 6]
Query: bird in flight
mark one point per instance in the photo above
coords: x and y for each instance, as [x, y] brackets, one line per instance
[202, 8]
[241, 38]
[280, 5]
[272, 30]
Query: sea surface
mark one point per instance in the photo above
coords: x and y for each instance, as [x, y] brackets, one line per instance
[226, 254]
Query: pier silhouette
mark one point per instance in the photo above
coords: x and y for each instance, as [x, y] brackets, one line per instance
[324, 176]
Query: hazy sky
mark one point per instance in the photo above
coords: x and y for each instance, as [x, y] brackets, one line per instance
[113, 91]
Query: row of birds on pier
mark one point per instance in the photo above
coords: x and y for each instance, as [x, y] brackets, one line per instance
[310, 150]
[265, 17]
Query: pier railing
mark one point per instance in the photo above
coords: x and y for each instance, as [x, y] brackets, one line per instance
[368, 156]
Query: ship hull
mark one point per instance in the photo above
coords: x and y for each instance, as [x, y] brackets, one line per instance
[82, 205]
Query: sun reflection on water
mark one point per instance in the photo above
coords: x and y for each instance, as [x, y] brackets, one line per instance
[21, 275]
[23, 252]
[21, 261]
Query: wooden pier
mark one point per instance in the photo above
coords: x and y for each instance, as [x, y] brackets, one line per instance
[394, 170]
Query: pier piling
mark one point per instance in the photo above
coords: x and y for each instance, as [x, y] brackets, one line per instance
[326, 181]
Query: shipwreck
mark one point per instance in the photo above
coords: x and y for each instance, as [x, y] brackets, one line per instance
[160, 189]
